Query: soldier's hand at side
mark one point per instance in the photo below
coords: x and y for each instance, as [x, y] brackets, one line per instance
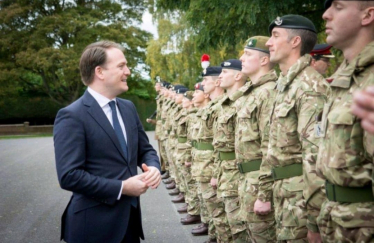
[314, 237]
[363, 107]
[187, 164]
[152, 176]
[262, 208]
[213, 183]
[134, 186]
[148, 120]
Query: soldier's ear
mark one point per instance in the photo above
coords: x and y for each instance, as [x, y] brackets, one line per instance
[368, 16]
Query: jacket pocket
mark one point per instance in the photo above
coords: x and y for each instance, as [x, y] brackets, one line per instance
[84, 203]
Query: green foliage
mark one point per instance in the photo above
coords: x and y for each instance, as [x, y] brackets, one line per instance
[42, 40]
[230, 22]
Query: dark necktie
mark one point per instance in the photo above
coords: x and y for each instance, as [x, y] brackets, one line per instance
[118, 129]
[121, 139]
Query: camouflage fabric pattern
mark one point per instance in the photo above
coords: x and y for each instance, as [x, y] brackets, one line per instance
[171, 142]
[218, 224]
[228, 174]
[237, 226]
[292, 140]
[251, 143]
[191, 196]
[183, 150]
[224, 141]
[204, 214]
[346, 153]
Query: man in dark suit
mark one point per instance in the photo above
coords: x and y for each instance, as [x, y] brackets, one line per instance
[99, 142]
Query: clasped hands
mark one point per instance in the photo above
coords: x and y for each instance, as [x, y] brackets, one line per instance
[139, 184]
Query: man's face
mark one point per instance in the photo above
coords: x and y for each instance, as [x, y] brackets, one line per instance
[186, 103]
[115, 72]
[227, 78]
[158, 87]
[198, 97]
[343, 21]
[321, 65]
[209, 84]
[178, 98]
[279, 46]
[250, 61]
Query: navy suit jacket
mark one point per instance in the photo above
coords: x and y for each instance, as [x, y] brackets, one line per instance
[91, 164]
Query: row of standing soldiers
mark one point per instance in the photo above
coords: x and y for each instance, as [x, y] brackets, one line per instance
[276, 158]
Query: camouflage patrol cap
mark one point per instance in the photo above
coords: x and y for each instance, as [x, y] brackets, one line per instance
[234, 64]
[188, 95]
[211, 71]
[292, 21]
[257, 43]
[199, 86]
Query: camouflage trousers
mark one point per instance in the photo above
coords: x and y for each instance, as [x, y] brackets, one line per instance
[261, 228]
[218, 225]
[170, 151]
[228, 180]
[203, 209]
[346, 222]
[192, 198]
[163, 156]
[290, 210]
[181, 152]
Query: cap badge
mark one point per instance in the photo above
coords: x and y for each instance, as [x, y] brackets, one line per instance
[204, 71]
[250, 43]
[226, 64]
[278, 21]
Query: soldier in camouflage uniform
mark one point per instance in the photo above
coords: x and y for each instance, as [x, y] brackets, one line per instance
[161, 120]
[180, 147]
[209, 117]
[252, 133]
[172, 139]
[293, 145]
[200, 100]
[185, 133]
[226, 171]
[345, 158]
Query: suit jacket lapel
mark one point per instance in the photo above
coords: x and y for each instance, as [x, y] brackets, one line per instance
[98, 115]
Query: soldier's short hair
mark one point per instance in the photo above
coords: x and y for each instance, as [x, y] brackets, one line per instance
[365, 4]
[95, 55]
[308, 39]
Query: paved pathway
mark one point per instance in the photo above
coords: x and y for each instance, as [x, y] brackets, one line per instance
[32, 202]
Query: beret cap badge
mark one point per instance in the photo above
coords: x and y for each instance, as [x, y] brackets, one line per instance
[278, 21]
[226, 64]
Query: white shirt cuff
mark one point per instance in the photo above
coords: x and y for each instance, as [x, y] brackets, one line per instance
[120, 192]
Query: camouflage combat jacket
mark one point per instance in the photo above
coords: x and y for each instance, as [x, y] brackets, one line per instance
[205, 119]
[159, 101]
[292, 140]
[164, 114]
[346, 150]
[224, 142]
[252, 121]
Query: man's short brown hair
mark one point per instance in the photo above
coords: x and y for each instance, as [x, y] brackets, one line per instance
[308, 39]
[94, 55]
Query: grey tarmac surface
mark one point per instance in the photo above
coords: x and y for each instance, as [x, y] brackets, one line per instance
[32, 202]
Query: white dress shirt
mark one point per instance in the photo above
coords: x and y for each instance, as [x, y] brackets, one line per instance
[104, 104]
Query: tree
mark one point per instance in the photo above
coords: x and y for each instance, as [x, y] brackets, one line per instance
[174, 56]
[44, 39]
[230, 22]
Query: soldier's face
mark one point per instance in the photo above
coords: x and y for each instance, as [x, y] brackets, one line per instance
[209, 84]
[198, 97]
[178, 98]
[250, 62]
[321, 65]
[157, 87]
[227, 78]
[279, 45]
[343, 23]
[186, 103]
